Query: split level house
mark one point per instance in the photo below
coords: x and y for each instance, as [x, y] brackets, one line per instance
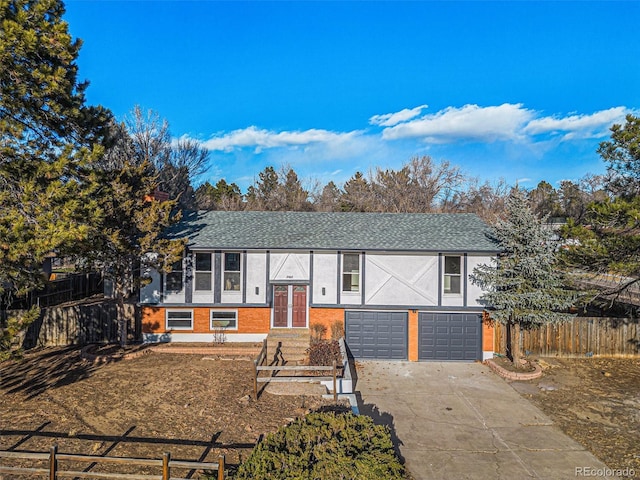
[397, 283]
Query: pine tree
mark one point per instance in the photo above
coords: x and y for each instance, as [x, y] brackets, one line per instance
[129, 237]
[524, 287]
[48, 139]
[608, 239]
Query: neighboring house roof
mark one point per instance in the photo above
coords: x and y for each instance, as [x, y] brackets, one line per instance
[436, 232]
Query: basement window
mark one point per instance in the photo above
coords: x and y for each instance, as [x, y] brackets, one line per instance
[179, 319]
[224, 320]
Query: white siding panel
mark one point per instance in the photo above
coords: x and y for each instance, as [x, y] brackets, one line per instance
[325, 275]
[401, 279]
[174, 297]
[256, 277]
[150, 293]
[474, 291]
[288, 266]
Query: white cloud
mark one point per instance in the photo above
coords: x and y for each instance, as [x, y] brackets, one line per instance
[391, 119]
[578, 126]
[470, 122]
[506, 122]
[261, 139]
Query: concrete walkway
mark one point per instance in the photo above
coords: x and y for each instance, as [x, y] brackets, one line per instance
[460, 420]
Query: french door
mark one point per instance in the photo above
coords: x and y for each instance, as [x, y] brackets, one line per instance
[290, 306]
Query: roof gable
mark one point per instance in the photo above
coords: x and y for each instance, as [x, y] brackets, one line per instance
[250, 230]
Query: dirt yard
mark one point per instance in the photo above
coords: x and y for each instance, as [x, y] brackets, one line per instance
[595, 401]
[194, 407]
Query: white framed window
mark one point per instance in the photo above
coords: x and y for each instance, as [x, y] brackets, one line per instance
[452, 274]
[351, 272]
[179, 319]
[203, 272]
[224, 320]
[173, 279]
[231, 274]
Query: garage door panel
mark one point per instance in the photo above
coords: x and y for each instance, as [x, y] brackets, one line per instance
[449, 336]
[377, 335]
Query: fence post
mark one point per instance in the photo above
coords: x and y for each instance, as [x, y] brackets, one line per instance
[255, 379]
[221, 467]
[335, 389]
[166, 471]
[53, 463]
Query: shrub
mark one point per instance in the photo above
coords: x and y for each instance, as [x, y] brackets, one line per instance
[324, 352]
[325, 446]
[337, 330]
[318, 332]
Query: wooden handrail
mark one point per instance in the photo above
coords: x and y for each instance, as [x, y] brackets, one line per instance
[310, 368]
[54, 472]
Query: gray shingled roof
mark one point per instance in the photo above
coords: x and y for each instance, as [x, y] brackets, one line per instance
[335, 231]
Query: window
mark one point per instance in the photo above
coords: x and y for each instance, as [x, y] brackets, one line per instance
[351, 272]
[452, 277]
[203, 272]
[179, 320]
[232, 271]
[174, 278]
[224, 320]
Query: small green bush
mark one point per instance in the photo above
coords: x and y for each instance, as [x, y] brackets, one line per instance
[325, 446]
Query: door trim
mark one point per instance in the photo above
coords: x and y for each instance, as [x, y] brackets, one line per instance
[290, 299]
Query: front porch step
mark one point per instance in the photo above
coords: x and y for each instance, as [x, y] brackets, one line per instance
[287, 346]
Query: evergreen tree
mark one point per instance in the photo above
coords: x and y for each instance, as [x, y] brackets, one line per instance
[49, 139]
[265, 194]
[223, 196]
[357, 195]
[296, 198]
[523, 286]
[608, 240]
[622, 153]
[544, 200]
[129, 237]
[328, 200]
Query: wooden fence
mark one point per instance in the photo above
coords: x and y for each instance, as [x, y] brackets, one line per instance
[52, 471]
[80, 324]
[578, 337]
[258, 366]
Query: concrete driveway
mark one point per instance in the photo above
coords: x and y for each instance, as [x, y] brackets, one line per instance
[460, 420]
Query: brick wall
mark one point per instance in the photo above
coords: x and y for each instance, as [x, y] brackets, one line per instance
[250, 320]
[413, 336]
[326, 317]
[487, 333]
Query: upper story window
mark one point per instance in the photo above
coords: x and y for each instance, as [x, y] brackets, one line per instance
[452, 276]
[203, 272]
[351, 272]
[231, 280]
[174, 278]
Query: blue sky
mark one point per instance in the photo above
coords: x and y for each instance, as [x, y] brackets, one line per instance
[523, 91]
